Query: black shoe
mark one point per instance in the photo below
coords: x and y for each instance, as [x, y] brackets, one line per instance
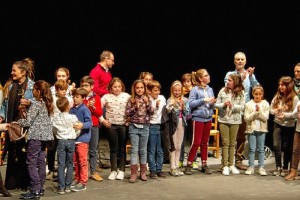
[153, 175]
[205, 169]
[30, 195]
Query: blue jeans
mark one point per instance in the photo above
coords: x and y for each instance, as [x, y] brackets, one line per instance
[256, 141]
[65, 154]
[155, 152]
[138, 140]
[93, 148]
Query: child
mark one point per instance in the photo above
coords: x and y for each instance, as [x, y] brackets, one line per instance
[39, 133]
[116, 123]
[61, 88]
[155, 151]
[82, 141]
[93, 102]
[63, 130]
[62, 73]
[201, 101]
[139, 110]
[282, 106]
[230, 102]
[256, 116]
[178, 105]
[146, 77]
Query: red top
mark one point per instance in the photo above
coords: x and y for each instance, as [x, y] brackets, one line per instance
[96, 111]
[102, 78]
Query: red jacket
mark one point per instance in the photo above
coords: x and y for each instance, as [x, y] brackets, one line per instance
[96, 111]
[101, 78]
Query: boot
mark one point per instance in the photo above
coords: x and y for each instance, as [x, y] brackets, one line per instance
[143, 172]
[3, 190]
[292, 175]
[133, 173]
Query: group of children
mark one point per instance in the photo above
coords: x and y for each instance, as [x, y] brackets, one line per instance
[155, 125]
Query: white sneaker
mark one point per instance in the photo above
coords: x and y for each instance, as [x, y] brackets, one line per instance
[112, 175]
[262, 171]
[120, 175]
[225, 171]
[249, 171]
[234, 170]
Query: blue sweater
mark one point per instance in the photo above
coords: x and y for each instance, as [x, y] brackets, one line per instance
[84, 116]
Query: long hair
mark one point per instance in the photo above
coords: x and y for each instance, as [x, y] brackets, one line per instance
[177, 82]
[238, 87]
[133, 88]
[64, 69]
[45, 94]
[286, 97]
[112, 82]
[26, 65]
[197, 75]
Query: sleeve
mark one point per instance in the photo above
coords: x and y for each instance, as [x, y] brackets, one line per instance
[290, 114]
[195, 100]
[87, 120]
[219, 103]
[264, 112]
[249, 114]
[31, 115]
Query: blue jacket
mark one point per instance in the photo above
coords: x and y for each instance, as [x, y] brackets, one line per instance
[84, 116]
[201, 111]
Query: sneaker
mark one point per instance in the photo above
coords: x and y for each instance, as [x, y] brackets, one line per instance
[96, 177]
[205, 169]
[187, 169]
[180, 164]
[30, 195]
[195, 165]
[249, 171]
[50, 175]
[262, 171]
[173, 172]
[153, 175]
[225, 171]
[112, 175]
[42, 192]
[74, 183]
[59, 190]
[284, 172]
[67, 189]
[79, 187]
[277, 172]
[120, 175]
[161, 175]
[180, 173]
[234, 170]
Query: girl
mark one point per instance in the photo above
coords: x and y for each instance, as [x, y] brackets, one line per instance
[178, 105]
[40, 131]
[282, 106]
[230, 102]
[62, 73]
[115, 122]
[146, 77]
[256, 117]
[201, 101]
[139, 110]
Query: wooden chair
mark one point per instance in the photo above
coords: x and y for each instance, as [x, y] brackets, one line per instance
[215, 133]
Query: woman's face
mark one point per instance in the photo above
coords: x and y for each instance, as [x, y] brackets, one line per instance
[61, 75]
[230, 83]
[297, 72]
[116, 88]
[17, 74]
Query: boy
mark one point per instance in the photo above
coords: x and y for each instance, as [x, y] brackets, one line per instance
[93, 102]
[155, 152]
[82, 141]
[65, 134]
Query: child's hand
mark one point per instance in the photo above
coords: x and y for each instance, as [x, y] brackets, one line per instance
[78, 126]
[106, 123]
[256, 107]
[146, 99]
[157, 103]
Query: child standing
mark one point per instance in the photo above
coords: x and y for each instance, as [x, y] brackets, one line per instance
[230, 102]
[93, 102]
[139, 110]
[256, 116]
[178, 105]
[65, 134]
[40, 131]
[201, 101]
[82, 141]
[155, 151]
[115, 122]
[282, 106]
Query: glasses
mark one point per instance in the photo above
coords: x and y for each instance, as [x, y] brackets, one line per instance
[85, 85]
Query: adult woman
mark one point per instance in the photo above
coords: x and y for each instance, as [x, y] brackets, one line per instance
[20, 91]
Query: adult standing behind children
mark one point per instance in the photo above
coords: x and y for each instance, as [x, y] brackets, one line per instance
[230, 102]
[249, 81]
[201, 102]
[102, 76]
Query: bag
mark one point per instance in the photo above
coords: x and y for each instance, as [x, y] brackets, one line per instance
[16, 132]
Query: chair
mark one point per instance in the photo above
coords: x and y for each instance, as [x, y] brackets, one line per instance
[215, 133]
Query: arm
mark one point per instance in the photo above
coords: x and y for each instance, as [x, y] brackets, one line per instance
[196, 100]
[31, 115]
[290, 113]
[263, 113]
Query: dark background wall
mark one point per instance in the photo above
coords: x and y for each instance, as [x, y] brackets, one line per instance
[156, 37]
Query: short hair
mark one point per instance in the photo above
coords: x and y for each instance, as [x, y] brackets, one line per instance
[87, 79]
[239, 53]
[105, 54]
[152, 84]
[61, 85]
[62, 104]
[186, 76]
[80, 91]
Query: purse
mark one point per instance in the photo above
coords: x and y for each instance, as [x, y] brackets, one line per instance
[16, 132]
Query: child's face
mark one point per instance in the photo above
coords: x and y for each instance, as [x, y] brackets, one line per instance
[88, 87]
[205, 78]
[177, 91]
[77, 99]
[230, 83]
[147, 79]
[36, 93]
[61, 75]
[61, 92]
[116, 88]
[187, 83]
[139, 89]
[282, 87]
[257, 95]
[154, 92]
